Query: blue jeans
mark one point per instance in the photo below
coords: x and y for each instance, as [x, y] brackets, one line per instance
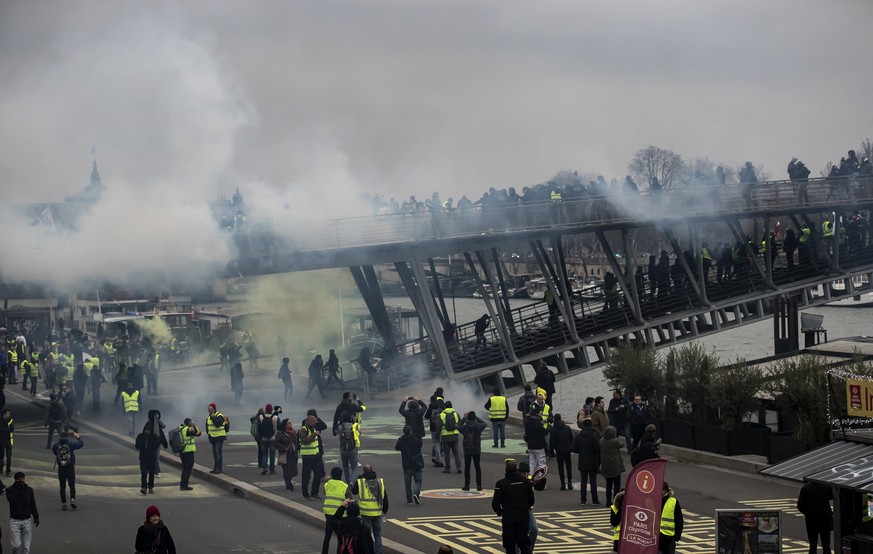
[499, 426]
[217, 448]
[268, 452]
[131, 416]
[408, 476]
[374, 523]
[21, 533]
[628, 436]
[350, 464]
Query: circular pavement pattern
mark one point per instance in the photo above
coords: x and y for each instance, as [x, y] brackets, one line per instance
[454, 494]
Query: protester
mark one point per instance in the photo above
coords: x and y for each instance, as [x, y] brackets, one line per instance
[153, 536]
[65, 460]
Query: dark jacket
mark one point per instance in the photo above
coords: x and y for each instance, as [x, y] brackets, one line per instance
[73, 447]
[525, 401]
[7, 427]
[611, 462]
[413, 412]
[638, 414]
[513, 498]
[617, 411]
[353, 527]
[647, 449]
[436, 405]
[409, 447]
[22, 503]
[155, 539]
[535, 433]
[55, 412]
[472, 428]
[814, 503]
[587, 445]
[545, 379]
[561, 439]
[346, 406]
[148, 444]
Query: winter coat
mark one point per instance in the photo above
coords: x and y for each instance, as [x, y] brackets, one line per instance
[535, 433]
[599, 421]
[587, 446]
[561, 439]
[413, 412]
[146, 536]
[611, 462]
[525, 401]
[409, 447]
[513, 498]
[473, 428]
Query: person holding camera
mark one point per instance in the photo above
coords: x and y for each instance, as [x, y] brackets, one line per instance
[65, 459]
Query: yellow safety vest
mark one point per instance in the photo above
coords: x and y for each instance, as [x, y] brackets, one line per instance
[555, 196]
[215, 431]
[498, 408]
[95, 360]
[334, 495]
[356, 431]
[188, 444]
[616, 531]
[359, 416]
[310, 449]
[546, 411]
[131, 401]
[827, 229]
[705, 253]
[9, 424]
[804, 235]
[668, 514]
[369, 504]
[13, 356]
[443, 431]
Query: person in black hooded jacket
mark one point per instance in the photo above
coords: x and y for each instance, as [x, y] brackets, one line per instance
[561, 447]
[412, 409]
[351, 530]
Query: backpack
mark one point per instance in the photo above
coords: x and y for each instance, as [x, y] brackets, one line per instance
[348, 544]
[254, 429]
[267, 429]
[347, 438]
[469, 439]
[64, 455]
[451, 421]
[175, 438]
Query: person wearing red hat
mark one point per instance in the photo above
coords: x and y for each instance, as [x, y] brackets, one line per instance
[153, 535]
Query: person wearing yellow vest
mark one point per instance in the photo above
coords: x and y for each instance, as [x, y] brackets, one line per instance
[615, 518]
[498, 411]
[130, 401]
[334, 496]
[217, 426]
[672, 522]
[13, 366]
[7, 426]
[312, 452]
[373, 501]
[188, 430]
[449, 422]
[30, 370]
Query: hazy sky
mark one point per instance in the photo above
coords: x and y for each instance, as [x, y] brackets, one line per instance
[304, 103]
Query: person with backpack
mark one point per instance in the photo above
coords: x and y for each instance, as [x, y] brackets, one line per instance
[409, 445]
[346, 406]
[255, 432]
[334, 496]
[285, 376]
[187, 432]
[217, 426]
[373, 501]
[525, 400]
[471, 428]
[7, 428]
[65, 459]
[349, 443]
[449, 434]
[267, 427]
[432, 415]
[353, 535]
[286, 445]
[55, 418]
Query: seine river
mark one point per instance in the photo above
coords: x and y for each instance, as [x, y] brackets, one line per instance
[750, 342]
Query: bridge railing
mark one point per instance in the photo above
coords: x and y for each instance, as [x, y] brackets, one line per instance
[823, 193]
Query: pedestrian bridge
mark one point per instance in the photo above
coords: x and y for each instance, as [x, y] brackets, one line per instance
[574, 333]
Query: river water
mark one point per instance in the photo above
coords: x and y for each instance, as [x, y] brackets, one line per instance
[751, 341]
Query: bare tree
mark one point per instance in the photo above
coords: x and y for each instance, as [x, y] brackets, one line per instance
[866, 149]
[652, 162]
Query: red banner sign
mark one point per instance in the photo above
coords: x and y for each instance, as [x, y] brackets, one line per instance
[641, 510]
